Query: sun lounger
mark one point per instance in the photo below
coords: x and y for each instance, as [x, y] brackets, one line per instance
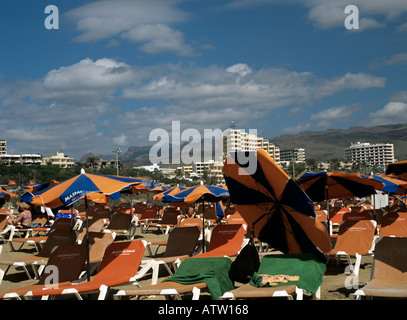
[182, 243]
[123, 224]
[59, 224]
[54, 239]
[394, 224]
[355, 239]
[165, 224]
[120, 265]
[64, 266]
[389, 277]
[192, 276]
[288, 275]
[226, 241]
[98, 242]
[186, 222]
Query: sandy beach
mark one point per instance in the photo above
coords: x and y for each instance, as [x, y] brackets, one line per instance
[333, 286]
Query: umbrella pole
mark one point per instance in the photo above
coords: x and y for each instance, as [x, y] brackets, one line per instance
[203, 225]
[87, 241]
[70, 234]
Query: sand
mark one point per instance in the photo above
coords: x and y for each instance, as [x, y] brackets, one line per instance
[333, 286]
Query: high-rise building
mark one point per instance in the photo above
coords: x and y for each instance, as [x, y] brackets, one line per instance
[297, 155]
[239, 140]
[379, 154]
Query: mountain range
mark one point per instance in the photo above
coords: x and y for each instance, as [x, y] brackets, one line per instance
[318, 145]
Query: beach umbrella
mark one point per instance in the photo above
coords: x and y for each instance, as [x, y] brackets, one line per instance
[322, 186]
[169, 191]
[200, 193]
[391, 184]
[35, 187]
[6, 194]
[275, 208]
[68, 192]
[398, 169]
[197, 193]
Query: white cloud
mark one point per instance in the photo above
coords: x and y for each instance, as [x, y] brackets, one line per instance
[146, 22]
[330, 14]
[326, 118]
[106, 102]
[392, 113]
[263, 89]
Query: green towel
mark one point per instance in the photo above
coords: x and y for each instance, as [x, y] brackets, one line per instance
[213, 271]
[306, 266]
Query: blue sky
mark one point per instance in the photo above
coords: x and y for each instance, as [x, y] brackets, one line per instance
[117, 69]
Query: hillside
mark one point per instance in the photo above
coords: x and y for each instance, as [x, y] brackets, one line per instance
[319, 145]
[329, 144]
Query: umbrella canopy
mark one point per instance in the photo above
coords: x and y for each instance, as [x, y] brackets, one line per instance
[391, 185]
[274, 206]
[170, 191]
[6, 194]
[324, 185]
[398, 169]
[197, 193]
[35, 187]
[69, 191]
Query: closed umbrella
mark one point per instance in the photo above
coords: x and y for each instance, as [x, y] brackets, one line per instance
[273, 205]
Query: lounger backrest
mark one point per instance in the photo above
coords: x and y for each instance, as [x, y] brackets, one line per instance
[182, 241]
[120, 261]
[358, 215]
[235, 218]
[62, 224]
[69, 261]
[139, 207]
[120, 221]
[394, 224]
[169, 217]
[356, 236]
[149, 213]
[100, 213]
[57, 238]
[227, 238]
[191, 222]
[390, 260]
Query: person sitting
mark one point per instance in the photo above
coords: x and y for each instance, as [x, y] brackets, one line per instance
[24, 218]
[190, 212]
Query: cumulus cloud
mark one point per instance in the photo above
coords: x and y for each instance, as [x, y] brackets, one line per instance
[398, 59]
[144, 22]
[392, 113]
[330, 14]
[107, 102]
[326, 118]
[267, 88]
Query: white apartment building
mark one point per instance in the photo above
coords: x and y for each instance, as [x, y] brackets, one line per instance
[25, 159]
[212, 168]
[239, 140]
[379, 154]
[297, 155]
[60, 159]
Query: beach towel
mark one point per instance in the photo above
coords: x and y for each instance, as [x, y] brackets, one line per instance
[306, 269]
[212, 270]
